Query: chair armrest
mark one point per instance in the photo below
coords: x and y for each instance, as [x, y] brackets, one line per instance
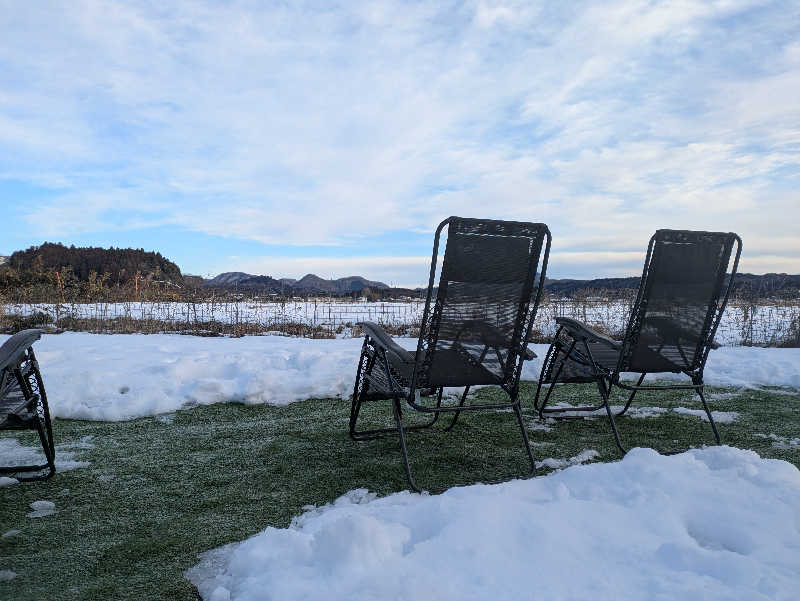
[14, 347]
[581, 331]
[382, 339]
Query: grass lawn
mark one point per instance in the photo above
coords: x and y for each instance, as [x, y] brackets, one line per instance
[160, 491]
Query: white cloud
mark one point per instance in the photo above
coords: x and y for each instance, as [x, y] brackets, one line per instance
[296, 126]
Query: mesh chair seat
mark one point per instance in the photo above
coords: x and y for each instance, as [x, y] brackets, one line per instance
[453, 368]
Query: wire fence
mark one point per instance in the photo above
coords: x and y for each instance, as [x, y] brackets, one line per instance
[745, 322]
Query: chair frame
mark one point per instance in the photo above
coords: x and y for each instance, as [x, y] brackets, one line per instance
[378, 346]
[19, 372]
[580, 351]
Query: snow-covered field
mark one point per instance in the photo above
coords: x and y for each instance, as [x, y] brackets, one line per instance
[766, 324]
[122, 376]
[717, 523]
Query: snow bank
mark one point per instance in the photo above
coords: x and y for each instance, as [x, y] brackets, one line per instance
[727, 528]
[117, 377]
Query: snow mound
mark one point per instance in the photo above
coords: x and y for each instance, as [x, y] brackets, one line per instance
[716, 523]
[123, 376]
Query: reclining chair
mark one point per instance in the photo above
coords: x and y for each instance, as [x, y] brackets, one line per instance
[23, 400]
[681, 298]
[474, 328]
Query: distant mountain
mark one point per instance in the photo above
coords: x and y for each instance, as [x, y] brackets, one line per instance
[3, 260]
[306, 285]
[246, 281]
[745, 284]
[353, 283]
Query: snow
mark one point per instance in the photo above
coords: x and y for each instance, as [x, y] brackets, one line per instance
[6, 481]
[557, 464]
[781, 442]
[721, 417]
[41, 509]
[10, 533]
[727, 528]
[13, 453]
[6, 575]
[123, 376]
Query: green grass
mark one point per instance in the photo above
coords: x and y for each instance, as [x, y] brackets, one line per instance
[157, 494]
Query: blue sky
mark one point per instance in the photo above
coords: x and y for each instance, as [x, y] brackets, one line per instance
[287, 138]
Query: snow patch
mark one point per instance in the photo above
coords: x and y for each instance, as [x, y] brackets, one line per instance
[13, 453]
[781, 442]
[557, 464]
[6, 481]
[41, 509]
[721, 417]
[6, 575]
[477, 542]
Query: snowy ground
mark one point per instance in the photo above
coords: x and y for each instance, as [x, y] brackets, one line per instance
[13, 453]
[117, 377]
[727, 528]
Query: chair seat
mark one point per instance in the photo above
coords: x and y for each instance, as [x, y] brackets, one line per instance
[450, 368]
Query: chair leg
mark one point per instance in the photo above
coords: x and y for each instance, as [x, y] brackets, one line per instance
[708, 411]
[457, 413]
[398, 418]
[604, 392]
[525, 440]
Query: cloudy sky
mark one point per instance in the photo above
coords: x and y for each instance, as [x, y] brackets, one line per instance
[288, 137]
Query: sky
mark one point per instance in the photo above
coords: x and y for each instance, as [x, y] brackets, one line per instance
[282, 138]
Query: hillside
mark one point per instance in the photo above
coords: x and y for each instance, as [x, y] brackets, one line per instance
[78, 263]
[746, 284]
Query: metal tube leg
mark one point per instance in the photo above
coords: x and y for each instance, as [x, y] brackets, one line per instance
[633, 394]
[525, 440]
[399, 421]
[47, 446]
[601, 385]
[708, 413]
[457, 413]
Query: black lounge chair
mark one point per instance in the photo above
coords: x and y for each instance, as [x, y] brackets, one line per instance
[23, 400]
[474, 328]
[681, 298]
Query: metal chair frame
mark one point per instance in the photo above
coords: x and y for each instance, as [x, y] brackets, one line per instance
[605, 378]
[378, 347]
[19, 374]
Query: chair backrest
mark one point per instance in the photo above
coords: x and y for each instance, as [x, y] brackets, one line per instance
[680, 301]
[485, 302]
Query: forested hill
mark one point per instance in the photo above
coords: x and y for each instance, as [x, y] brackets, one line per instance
[121, 264]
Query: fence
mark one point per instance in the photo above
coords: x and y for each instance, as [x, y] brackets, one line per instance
[746, 322]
